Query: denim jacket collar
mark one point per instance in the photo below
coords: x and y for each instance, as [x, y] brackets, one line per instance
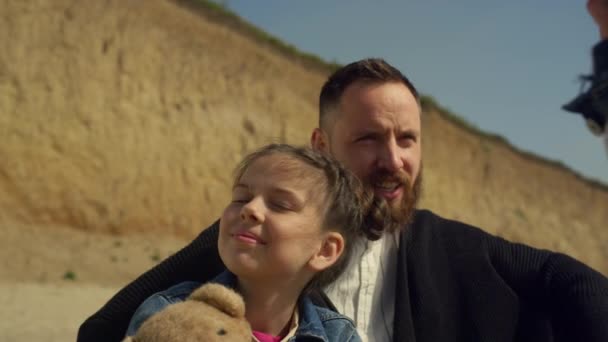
[310, 324]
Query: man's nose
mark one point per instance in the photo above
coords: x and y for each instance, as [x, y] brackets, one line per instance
[252, 211]
[390, 157]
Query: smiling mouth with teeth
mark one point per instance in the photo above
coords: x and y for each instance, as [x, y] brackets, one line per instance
[388, 190]
[387, 186]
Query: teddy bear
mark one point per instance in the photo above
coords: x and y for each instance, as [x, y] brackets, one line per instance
[211, 313]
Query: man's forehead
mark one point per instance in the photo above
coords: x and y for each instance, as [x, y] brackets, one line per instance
[365, 98]
[363, 89]
[378, 107]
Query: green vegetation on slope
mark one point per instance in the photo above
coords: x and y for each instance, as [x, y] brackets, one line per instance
[221, 14]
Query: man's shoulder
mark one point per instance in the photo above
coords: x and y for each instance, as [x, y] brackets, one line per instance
[430, 231]
[426, 222]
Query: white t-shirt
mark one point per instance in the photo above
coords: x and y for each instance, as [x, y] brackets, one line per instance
[366, 290]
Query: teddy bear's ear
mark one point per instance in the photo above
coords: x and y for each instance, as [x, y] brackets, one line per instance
[128, 339]
[222, 298]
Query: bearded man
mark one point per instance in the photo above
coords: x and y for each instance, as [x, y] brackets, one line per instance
[425, 278]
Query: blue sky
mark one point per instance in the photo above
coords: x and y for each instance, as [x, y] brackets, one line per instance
[505, 66]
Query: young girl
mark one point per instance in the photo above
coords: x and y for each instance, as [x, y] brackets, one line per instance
[294, 219]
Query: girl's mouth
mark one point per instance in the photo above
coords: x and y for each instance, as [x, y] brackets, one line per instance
[248, 238]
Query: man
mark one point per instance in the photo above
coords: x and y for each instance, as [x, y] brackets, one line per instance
[431, 279]
[592, 104]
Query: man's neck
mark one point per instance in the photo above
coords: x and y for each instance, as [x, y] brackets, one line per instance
[366, 291]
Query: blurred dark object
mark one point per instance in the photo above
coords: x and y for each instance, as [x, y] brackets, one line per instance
[592, 102]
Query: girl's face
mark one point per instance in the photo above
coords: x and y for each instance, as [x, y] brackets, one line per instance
[272, 227]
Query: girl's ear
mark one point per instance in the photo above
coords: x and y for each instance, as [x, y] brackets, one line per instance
[332, 247]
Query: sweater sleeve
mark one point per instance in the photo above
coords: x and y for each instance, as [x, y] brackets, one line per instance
[111, 321]
[573, 295]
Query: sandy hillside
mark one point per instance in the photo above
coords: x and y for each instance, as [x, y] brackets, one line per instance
[120, 122]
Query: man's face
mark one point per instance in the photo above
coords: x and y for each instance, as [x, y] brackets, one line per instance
[376, 134]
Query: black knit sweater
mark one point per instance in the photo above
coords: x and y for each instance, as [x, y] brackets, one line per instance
[455, 283]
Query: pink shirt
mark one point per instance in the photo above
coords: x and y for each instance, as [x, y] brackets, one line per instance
[262, 337]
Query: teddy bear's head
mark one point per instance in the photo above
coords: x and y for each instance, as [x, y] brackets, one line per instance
[211, 313]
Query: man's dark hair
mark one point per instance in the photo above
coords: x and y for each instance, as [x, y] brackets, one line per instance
[370, 70]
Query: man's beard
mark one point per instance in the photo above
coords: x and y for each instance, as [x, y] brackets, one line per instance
[400, 212]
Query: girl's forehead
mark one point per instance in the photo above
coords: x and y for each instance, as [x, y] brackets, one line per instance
[282, 165]
[279, 171]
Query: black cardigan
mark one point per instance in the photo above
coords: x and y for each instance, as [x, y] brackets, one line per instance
[462, 284]
[455, 283]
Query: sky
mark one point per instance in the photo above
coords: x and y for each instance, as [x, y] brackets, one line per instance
[507, 67]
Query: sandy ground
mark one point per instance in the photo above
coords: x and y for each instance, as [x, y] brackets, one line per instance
[47, 312]
[51, 280]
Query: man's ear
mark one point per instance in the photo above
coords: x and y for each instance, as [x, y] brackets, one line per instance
[319, 140]
[331, 248]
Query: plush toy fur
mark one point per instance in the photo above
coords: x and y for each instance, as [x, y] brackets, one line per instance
[212, 313]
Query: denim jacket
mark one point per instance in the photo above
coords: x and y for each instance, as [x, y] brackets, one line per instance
[316, 323]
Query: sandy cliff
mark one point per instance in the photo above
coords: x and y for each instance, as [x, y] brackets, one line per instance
[124, 117]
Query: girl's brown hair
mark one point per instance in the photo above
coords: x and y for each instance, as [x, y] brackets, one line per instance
[350, 210]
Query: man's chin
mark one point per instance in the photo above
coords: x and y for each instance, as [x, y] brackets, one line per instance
[401, 213]
[401, 202]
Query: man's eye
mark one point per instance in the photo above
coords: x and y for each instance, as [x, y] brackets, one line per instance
[408, 139]
[365, 138]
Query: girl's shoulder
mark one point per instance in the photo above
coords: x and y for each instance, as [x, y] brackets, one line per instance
[179, 292]
[337, 327]
[324, 324]
[158, 301]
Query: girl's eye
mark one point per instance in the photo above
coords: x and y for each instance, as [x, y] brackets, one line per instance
[241, 200]
[280, 206]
